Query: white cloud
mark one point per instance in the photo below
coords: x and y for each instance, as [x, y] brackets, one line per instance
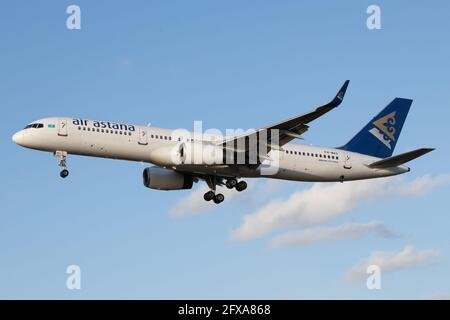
[341, 232]
[409, 257]
[322, 202]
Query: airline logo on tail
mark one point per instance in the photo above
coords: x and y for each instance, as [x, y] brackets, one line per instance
[384, 129]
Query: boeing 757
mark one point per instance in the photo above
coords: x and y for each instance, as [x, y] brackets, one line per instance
[180, 157]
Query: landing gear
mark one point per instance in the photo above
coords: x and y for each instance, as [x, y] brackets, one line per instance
[62, 155]
[209, 195]
[64, 173]
[241, 186]
[231, 183]
[218, 198]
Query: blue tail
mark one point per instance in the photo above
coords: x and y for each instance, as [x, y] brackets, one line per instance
[379, 137]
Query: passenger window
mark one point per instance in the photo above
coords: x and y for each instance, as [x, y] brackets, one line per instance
[79, 128]
[89, 129]
[84, 128]
[152, 136]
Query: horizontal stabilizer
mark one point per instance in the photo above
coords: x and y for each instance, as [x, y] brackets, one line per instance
[400, 159]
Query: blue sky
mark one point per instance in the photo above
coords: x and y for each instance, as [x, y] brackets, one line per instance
[232, 65]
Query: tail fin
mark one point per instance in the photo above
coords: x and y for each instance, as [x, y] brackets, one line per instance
[379, 137]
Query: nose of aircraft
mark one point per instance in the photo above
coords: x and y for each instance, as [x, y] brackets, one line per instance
[17, 137]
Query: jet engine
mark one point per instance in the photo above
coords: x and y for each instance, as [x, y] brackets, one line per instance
[166, 179]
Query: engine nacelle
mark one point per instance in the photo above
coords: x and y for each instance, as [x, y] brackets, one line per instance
[188, 153]
[166, 179]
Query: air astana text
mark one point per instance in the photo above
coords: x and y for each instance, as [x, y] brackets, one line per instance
[104, 124]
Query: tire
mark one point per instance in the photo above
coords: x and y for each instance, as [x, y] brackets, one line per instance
[219, 198]
[208, 196]
[231, 183]
[64, 173]
[241, 186]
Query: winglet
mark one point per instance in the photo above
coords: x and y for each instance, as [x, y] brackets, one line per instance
[340, 95]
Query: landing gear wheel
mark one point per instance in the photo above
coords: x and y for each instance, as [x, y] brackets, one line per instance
[64, 173]
[219, 198]
[241, 186]
[209, 196]
[231, 183]
[62, 155]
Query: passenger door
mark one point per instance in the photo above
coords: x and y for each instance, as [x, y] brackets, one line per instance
[62, 127]
[347, 161]
[143, 140]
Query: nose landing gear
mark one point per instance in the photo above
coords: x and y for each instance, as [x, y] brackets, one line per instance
[62, 155]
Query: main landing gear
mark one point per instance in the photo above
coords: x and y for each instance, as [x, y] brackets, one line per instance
[230, 184]
[233, 183]
[217, 198]
[211, 181]
[62, 155]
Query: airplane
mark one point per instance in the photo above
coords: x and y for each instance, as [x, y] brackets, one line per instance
[180, 157]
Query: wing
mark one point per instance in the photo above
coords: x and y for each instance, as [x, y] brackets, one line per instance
[278, 134]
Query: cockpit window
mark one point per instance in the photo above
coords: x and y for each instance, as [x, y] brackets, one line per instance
[35, 126]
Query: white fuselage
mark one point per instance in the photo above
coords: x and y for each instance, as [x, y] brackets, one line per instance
[146, 144]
